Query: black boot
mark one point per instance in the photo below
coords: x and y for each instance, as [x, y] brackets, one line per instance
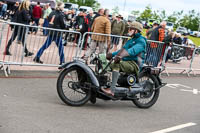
[28, 54]
[37, 60]
[7, 52]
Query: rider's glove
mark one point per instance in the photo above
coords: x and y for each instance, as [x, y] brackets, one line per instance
[117, 59]
[109, 56]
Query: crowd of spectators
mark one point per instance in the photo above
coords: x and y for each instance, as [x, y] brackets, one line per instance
[97, 22]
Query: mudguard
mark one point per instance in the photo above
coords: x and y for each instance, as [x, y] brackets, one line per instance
[154, 71]
[84, 67]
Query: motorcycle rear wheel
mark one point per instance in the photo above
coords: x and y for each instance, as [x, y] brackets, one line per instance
[70, 81]
[152, 95]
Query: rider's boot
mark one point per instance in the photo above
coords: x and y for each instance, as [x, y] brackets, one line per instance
[115, 76]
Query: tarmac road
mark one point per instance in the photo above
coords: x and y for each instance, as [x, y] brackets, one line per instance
[32, 106]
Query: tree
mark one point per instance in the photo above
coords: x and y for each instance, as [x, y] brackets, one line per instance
[96, 6]
[172, 18]
[155, 15]
[135, 13]
[162, 15]
[190, 20]
[115, 10]
[147, 13]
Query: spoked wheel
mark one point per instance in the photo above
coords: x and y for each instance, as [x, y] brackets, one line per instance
[149, 97]
[71, 87]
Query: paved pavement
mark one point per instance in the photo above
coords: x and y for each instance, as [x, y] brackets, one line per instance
[31, 105]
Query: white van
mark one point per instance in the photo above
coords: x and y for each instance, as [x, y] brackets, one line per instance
[84, 9]
[71, 6]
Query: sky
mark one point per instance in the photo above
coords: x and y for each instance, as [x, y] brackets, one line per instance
[168, 5]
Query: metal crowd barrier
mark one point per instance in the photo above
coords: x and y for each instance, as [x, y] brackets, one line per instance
[180, 57]
[100, 42]
[195, 61]
[155, 52]
[22, 37]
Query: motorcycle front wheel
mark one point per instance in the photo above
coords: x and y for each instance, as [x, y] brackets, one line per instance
[70, 87]
[149, 98]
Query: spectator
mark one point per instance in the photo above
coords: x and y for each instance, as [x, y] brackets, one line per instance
[185, 40]
[73, 12]
[23, 17]
[101, 25]
[100, 13]
[3, 9]
[113, 17]
[117, 28]
[47, 12]
[15, 8]
[86, 28]
[169, 41]
[177, 39]
[149, 31]
[155, 53]
[79, 25]
[127, 24]
[56, 21]
[37, 14]
[79, 21]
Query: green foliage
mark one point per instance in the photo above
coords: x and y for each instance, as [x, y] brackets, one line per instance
[156, 15]
[147, 13]
[190, 20]
[115, 10]
[135, 13]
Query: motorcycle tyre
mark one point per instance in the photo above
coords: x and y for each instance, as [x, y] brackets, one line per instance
[61, 93]
[156, 93]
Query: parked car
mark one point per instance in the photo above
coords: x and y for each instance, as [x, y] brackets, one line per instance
[195, 34]
[170, 26]
[182, 30]
[70, 6]
[84, 8]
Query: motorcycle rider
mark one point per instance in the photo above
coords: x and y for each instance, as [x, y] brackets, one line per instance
[129, 58]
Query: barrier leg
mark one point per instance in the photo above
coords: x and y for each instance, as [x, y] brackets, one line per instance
[4, 69]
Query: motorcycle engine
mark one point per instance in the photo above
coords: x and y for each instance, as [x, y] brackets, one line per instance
[126, 80]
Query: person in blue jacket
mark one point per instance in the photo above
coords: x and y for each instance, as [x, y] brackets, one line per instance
[130, 58]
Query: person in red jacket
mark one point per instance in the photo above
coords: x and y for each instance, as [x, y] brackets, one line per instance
[37, 14]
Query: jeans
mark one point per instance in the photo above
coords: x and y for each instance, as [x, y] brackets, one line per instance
[46, 24]
[21, 33]
[58, 41]
[37, 23]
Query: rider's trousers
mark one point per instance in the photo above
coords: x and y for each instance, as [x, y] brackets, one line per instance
[128, 67]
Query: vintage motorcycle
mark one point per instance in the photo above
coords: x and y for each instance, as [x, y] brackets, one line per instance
[78, 83]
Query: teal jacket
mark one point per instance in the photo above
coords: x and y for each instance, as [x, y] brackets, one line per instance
[136, 48]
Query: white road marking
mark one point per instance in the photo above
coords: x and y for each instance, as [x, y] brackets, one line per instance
[194, 91]
[171, 86]
[175, 128]
[177, 85]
